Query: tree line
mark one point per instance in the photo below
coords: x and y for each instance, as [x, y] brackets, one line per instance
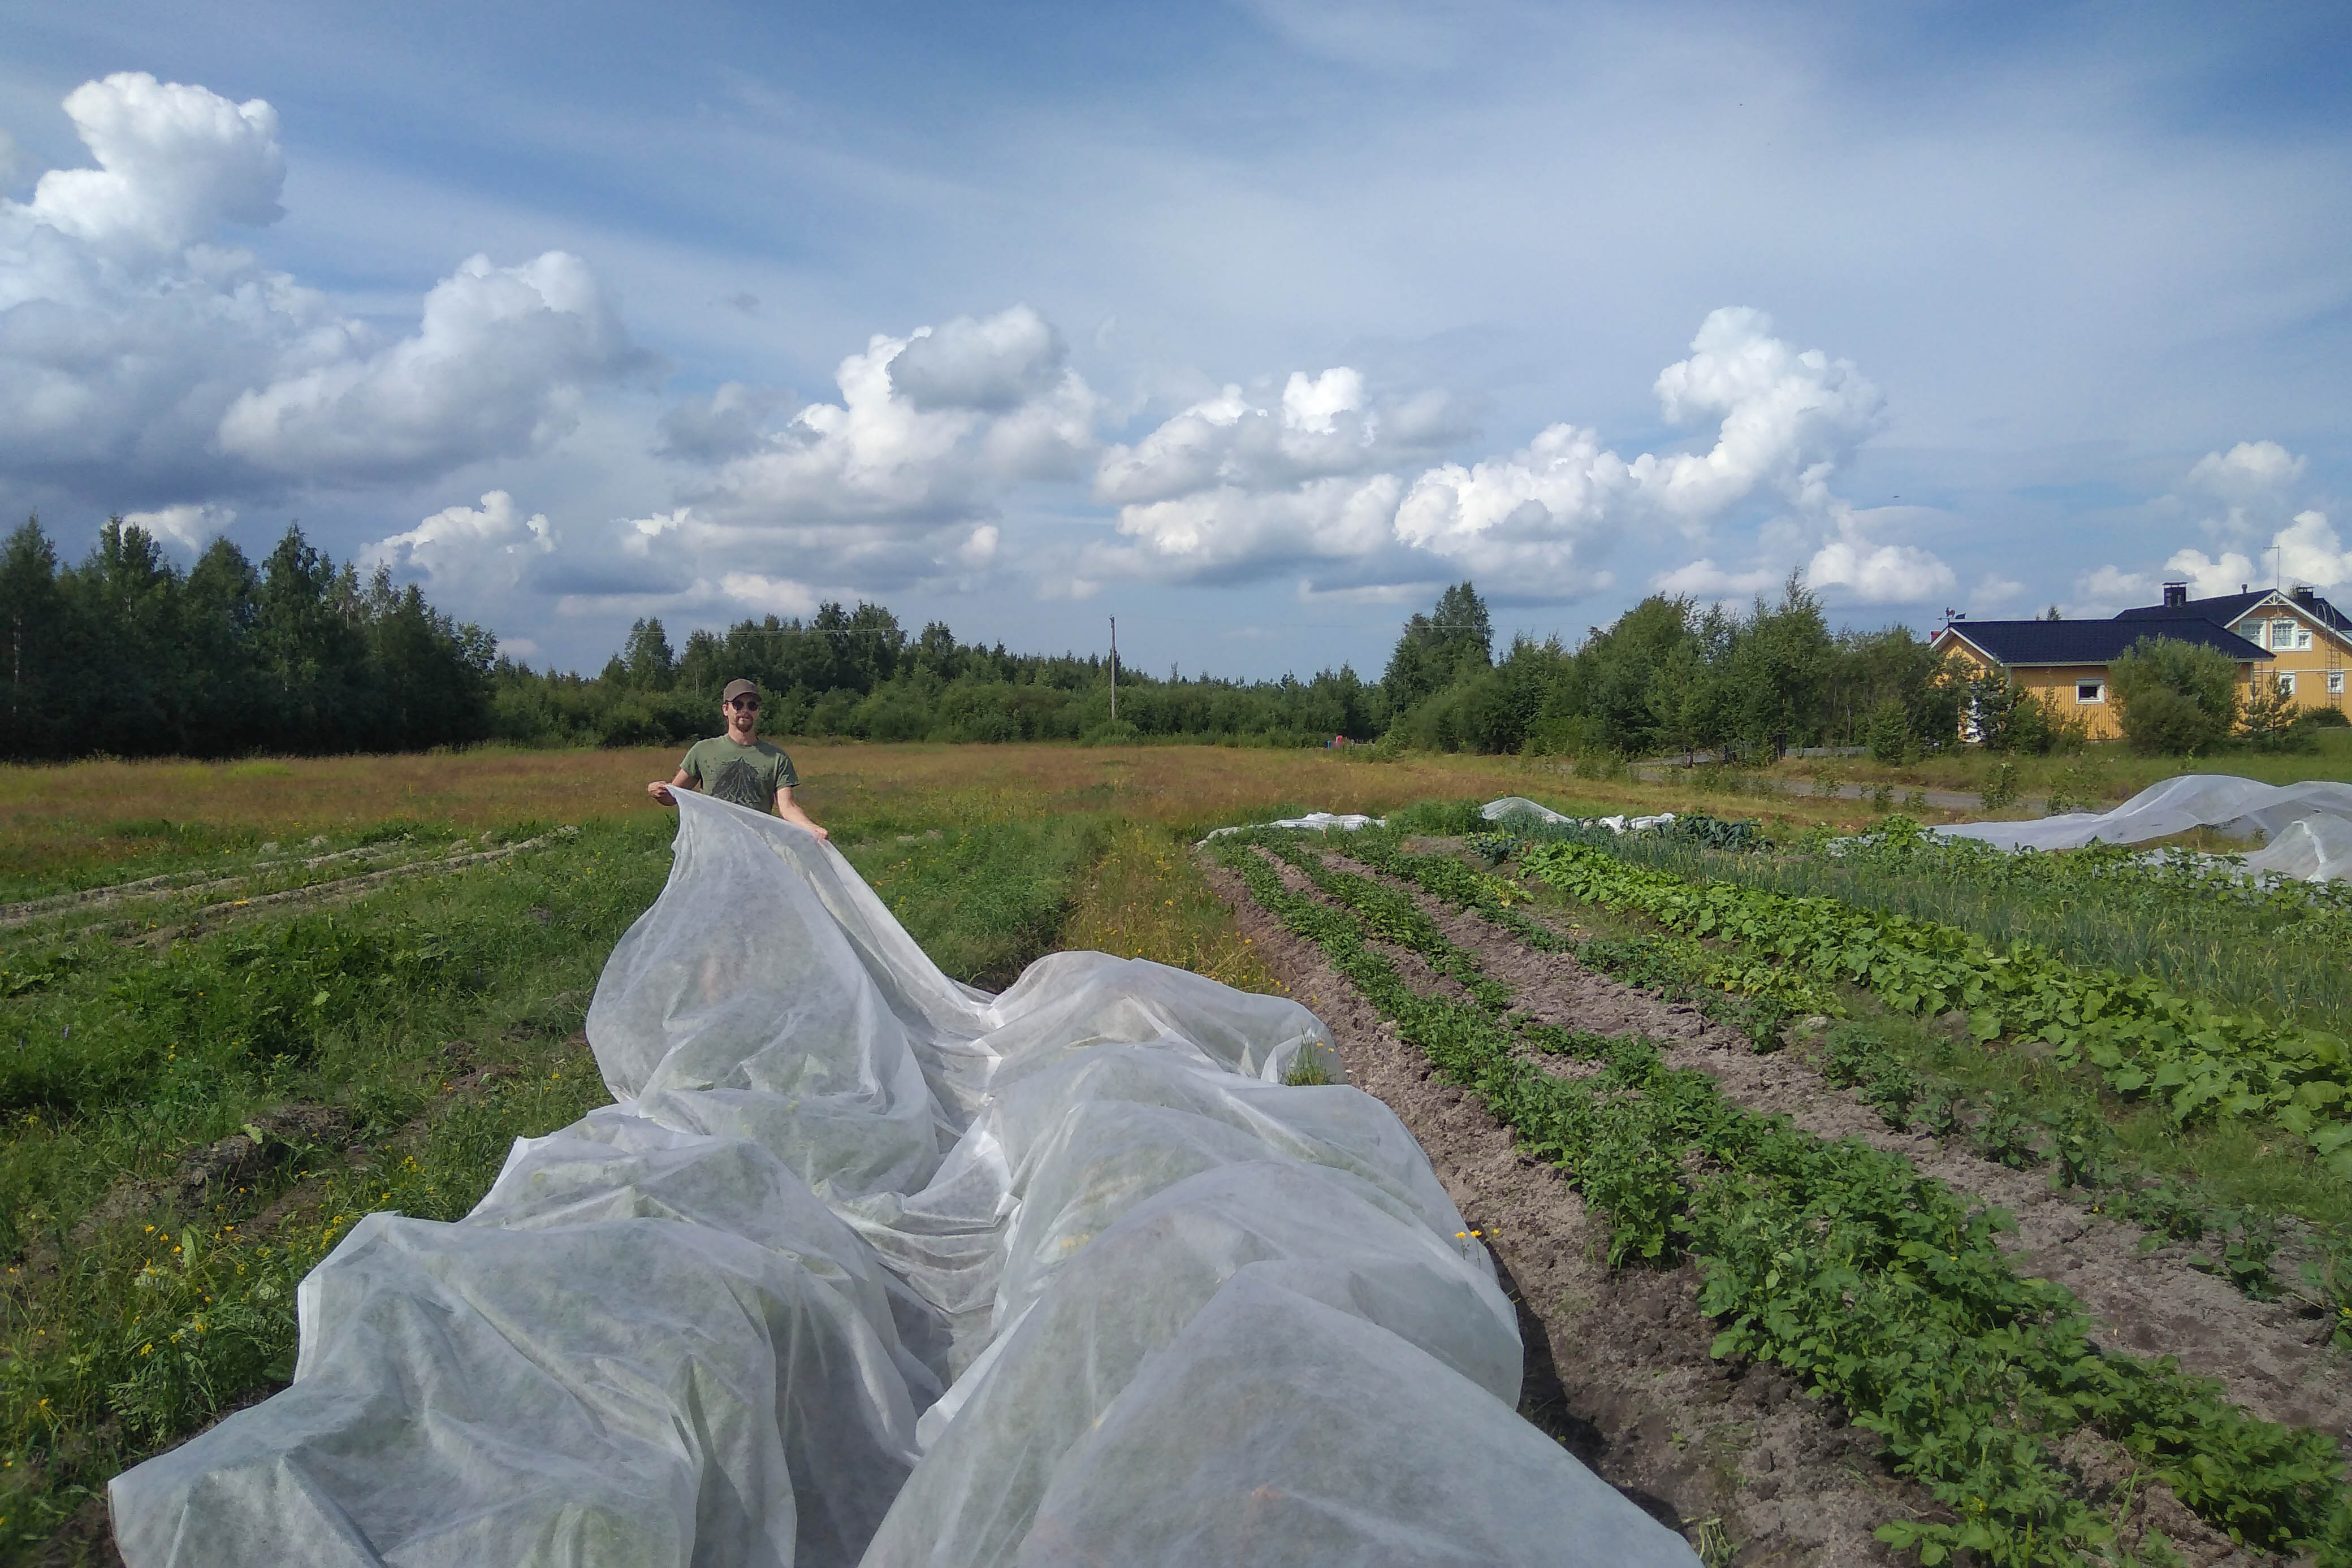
[126, 653]
[1669, 675]
[127, 656]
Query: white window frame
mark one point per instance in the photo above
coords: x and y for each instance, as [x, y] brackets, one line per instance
[2098, 690]
[2335, 682]
[2285, 679]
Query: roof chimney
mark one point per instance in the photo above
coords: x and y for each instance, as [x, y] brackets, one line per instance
[2304, 593]
[2176, 594]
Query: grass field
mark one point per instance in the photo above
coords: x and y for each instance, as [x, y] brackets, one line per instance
[347, 984]
[79, 823]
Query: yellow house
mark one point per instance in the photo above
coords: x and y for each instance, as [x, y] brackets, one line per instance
[2308, 639]
[2065, 663]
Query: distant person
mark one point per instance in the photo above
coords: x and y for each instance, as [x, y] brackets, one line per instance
[738, 766]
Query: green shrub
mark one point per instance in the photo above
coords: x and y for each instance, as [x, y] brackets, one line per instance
[1890, 732]
[2174, 698]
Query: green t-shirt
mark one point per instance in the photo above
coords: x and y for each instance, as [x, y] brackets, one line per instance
[747, 775]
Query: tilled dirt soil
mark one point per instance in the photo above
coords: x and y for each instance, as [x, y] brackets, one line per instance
[1618, 1364]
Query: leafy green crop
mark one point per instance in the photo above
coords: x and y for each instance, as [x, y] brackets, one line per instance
[2142, 1037]
[1756, 999]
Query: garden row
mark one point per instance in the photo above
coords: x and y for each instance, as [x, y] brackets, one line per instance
[2143, 1038]
[1908, 1077]
[1876, 1286]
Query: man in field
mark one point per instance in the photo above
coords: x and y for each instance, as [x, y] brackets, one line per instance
[738, 766]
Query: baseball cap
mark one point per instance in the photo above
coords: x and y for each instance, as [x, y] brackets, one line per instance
[740, 689]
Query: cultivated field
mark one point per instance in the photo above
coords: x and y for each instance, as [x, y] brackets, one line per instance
[245, 1003]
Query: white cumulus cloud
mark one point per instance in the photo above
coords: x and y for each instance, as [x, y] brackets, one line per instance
[997, 364]
[1879, 573]
[890, 484]
[1789, 418]
[2252, 470]
[768, 595]
[144, 361]
[1528, 513]
[474, 551]
[175, 162]
[2254, 481]
[2257, 480]
[1322, 426]
[1231, 533]
[190, 525]
[2209, 576]
[497, 366]
[1702, 579]
[2310, 552]
[1228, 489]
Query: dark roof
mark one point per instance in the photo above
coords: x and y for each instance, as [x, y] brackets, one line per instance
[2226, 608]
[2091, 642]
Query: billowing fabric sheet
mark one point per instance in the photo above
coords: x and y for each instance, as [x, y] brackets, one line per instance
[1509, 808]
[1314, 822]
[2308, 826]
[865, 1266]
[1520, 809]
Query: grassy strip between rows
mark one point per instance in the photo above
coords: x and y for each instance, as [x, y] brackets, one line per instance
[2142, 1037]
[1877, 1286]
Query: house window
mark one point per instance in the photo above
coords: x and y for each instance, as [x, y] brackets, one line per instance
[2335, 682]
[2090, 691]
[2286, 685]
[2288, 636]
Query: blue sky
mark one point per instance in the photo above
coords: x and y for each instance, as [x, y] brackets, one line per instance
[1251, 324]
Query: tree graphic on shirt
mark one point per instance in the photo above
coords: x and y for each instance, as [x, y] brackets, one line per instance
[739, 781]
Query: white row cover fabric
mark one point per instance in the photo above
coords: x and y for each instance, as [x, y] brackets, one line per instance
[1518, 808]
[866, 1266]
[1314, 822]
[2308, 826]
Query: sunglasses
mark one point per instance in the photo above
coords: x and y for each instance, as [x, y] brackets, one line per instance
[746, 704]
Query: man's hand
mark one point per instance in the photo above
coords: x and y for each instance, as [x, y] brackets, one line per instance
[790, 811]
[659, 790]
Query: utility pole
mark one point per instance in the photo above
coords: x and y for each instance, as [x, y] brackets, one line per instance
[1114, 669]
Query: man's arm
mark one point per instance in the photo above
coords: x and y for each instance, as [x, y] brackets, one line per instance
[793, 813]
[660, 791]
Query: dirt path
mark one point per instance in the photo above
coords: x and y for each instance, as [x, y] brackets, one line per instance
[1619, 1368]
[2267, 1356]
